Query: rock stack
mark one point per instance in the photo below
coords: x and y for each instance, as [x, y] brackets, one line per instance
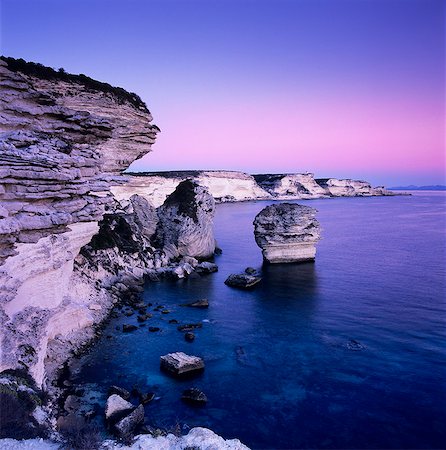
[287, 233]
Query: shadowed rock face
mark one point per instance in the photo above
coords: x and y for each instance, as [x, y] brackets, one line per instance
[287, 233]
[186, 221]
[64, 140]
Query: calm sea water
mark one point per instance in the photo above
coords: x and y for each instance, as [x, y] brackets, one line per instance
[281, 368]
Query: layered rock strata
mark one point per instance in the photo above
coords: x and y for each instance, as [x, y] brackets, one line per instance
[229, 186]
[63, 142]
[224, 186]
[287, 232]
[351, 188]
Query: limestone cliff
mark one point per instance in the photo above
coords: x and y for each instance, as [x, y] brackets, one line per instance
[224, 186]
[230, 186]
[64, 141]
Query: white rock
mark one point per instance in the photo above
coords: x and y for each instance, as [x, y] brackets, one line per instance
[115, 405]
[287, 232]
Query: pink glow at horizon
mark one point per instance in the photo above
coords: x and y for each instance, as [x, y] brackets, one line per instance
[325, 134]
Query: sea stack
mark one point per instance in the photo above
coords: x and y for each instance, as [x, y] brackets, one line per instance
[287, 233]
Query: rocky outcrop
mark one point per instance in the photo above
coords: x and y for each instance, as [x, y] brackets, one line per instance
[185, 225]
[224, 186]
[350, 188]
[64, 140]
[197, 438]
[291, 186]
[287, 232]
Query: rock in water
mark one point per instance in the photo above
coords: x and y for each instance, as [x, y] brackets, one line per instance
[125, 427]
[198, 304]
[194, 396]
[116, 407]
[242, 281]
[287, 233]
[186, 221]
[180, 364]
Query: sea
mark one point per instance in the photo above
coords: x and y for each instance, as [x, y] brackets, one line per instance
[346, 352]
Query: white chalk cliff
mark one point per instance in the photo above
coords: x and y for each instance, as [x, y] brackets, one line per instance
[230, 186]
[224, 186]
[63, 143]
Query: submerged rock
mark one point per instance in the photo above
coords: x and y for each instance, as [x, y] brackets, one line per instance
[198, 304]
[127, 328]
[179, 364]
[189, 337]
[242, 281]
[189, 326]
[194, 396]
[287, 232]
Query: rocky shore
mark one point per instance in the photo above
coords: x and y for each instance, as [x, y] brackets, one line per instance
[69, 250]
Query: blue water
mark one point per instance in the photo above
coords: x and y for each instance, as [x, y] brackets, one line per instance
[280, 368]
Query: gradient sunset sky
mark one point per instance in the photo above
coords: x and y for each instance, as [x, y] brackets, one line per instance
[342, 88]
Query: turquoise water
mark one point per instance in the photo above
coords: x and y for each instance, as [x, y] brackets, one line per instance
[348, 352]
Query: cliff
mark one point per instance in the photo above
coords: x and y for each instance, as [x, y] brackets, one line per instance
[230, 186]
[64, 141]
[224, 186]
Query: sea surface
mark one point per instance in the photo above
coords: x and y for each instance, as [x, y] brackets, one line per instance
[347, 352]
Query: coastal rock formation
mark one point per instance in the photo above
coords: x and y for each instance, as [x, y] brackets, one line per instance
[242, 280]
[229, 186]
[180, 364]
[287, 232]
[186, 221]
[223, 185]
[291, 186]
[64, 140]
[350, 188]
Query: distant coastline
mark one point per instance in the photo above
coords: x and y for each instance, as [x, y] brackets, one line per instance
[437, 187]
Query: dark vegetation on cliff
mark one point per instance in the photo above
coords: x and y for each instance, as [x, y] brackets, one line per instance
[184, 198]
[48, 73]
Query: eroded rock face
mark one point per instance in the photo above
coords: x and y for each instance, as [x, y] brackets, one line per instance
[186, 221]
[350, 188]
[223, 185]
[62, 145]
[292, 186]
[287, 232]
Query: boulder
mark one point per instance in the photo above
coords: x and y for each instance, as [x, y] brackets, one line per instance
[194, 396]
[127, 328]
[242, 281]
[206, 267]
[180, 364]
[124, 393]
[287, 232]
[127, 425]
[116, 406]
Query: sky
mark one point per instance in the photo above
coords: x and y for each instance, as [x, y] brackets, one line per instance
[340, 88]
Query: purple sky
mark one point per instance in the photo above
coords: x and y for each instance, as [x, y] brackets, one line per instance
[343, 88]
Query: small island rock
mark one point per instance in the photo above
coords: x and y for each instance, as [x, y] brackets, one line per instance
[287, 232]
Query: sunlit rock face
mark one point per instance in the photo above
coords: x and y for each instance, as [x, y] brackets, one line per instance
[293, 185]
[186, 221]
[224, 186]
[63, 143]
[287, 232]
